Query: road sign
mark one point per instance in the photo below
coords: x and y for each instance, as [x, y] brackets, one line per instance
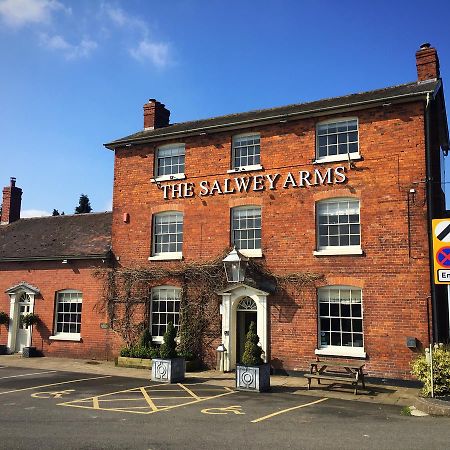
[441, 250]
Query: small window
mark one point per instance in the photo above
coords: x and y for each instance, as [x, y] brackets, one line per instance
[68, 312]
[337, 140]
[167, 233]
[246, 229]
[338, 224]
[340, 317]
[170, 160]
[165, 309]
[246, 151]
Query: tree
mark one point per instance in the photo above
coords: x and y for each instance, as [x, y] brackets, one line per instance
[55, 212]
[252, 351]
[84, 205]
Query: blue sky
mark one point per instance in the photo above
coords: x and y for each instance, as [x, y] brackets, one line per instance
[75, 74]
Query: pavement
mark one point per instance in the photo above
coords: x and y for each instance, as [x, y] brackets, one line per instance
[374, 393]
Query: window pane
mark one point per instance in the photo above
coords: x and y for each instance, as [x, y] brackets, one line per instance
[68, 317]
[168, 232]
[246, 151]
[343, 219]
[170, 160]
[246, 227]
[165, 309]
[337, 138]
[344, 328]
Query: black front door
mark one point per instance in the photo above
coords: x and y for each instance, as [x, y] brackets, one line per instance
[244, 319]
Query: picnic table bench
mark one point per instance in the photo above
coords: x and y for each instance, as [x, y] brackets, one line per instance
[337, 371]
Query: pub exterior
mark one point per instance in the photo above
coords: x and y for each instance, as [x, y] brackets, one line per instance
[336, 195]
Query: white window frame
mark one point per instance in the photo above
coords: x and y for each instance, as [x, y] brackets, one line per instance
[172, 176]
[159, 339]
[336, 250]
[354, 156]
[155, 256]
[249, 252]
[248, 167]
[62, 335]
[340, 350]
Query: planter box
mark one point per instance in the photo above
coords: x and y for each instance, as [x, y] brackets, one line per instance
[253, 378]
[29, 352]
[134, 363]
[3, 349]
[168, 370]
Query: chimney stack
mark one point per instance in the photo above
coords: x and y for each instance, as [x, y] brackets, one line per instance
[427, 63]
[155, 115]
[12, 199]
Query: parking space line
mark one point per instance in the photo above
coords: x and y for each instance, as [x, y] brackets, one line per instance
[288, 409]
[148, 400]
[53, 384]
[27, 374]
[97, 401]
[189, 391]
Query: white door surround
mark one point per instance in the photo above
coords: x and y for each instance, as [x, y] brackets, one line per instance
[21, 298]
[231, 297]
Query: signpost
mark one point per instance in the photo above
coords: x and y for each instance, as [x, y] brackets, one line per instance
[441, 250]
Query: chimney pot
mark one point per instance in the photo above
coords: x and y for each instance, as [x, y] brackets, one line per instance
[13, 181]
[425, 45]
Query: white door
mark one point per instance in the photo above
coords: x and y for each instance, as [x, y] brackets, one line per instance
[23, 331]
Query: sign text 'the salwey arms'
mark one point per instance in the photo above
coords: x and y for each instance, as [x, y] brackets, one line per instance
[303, 178]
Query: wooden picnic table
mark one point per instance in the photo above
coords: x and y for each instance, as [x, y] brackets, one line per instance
[338, 371]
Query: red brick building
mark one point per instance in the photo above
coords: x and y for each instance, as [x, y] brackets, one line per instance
[343, 189]
[46, 268]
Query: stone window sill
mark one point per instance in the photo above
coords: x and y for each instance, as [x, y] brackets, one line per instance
[347, 352]
[66, 337]
[176, 256]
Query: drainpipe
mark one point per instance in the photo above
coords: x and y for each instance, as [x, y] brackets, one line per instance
[430, 214]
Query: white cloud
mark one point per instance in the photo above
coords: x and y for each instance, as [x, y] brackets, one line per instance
[70, 51]
[16, 13]
[26, 213]
[146, 50]
[121, 19]
[157, 53]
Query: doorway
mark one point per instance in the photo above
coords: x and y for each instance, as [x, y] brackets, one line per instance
[23, 331]
[246, 313]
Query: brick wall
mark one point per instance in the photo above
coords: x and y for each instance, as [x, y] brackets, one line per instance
[393, 271]
[50, 277]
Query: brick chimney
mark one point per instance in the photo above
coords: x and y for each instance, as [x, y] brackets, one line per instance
[155, 115]
[12, 199]
[427, 63]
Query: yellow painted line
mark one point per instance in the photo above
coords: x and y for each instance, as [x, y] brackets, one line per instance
[105, 395]
[159, 409]
[287, 410]
[27, 374]
[54, 384]
[118, 400]
[189, 391]
[149, 400]
[95, 403]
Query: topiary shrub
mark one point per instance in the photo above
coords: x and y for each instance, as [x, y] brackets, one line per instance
[441, 371]
[4, 318]
[252, 351]
[167, 349]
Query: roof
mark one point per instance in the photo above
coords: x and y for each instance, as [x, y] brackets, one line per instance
[23, 286]
[79, 236]
[404, 91]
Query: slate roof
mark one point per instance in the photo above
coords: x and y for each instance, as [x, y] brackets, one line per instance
[326, 105]
[79, 236]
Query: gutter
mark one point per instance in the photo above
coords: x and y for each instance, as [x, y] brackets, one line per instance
[241, 123]
[430, 215]
[57, 258]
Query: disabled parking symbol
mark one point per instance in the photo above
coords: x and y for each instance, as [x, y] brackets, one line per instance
[443, 256]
